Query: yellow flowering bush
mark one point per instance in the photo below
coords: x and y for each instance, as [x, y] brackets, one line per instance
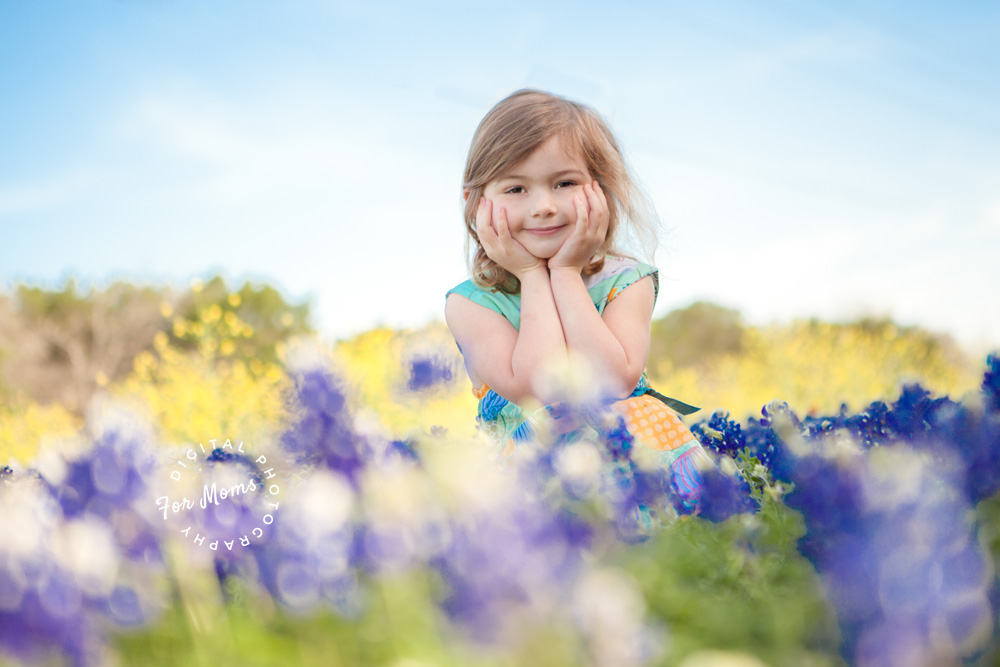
[25, 425]
[815, 367]
[205, 393]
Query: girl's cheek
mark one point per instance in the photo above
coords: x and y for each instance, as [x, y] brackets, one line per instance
[569, 195]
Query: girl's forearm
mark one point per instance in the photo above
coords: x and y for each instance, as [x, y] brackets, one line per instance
[588, 335]
[540, 339]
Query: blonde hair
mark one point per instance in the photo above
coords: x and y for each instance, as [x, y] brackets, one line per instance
[511, 131]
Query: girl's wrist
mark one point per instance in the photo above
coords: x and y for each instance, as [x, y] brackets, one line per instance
[566, 270]
[528, 273]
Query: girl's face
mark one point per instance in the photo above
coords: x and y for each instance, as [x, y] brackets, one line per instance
[537, 195]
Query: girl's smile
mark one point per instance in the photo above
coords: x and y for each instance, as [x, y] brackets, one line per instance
[545, 230]
[537, 197]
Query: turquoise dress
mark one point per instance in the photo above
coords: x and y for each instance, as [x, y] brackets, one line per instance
[650, 417]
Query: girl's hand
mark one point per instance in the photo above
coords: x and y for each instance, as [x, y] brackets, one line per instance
[500, 246]
[591, 229]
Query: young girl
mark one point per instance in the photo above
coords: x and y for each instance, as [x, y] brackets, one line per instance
[547, 199]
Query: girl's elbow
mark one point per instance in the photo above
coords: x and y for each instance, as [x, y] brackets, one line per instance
[532, 394]
[517, 391]
[621, 385]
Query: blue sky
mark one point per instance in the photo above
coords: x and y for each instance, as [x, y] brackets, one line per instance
[806, 158]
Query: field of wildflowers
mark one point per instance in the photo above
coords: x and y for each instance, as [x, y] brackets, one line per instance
[334, 505]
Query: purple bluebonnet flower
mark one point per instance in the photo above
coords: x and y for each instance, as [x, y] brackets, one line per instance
[637, 493]
[111, 474]
[109, 480]
[427, 372]
[829, 495]
[501, 566]
[54, 574]
[912, 413]
[403, 523]
[723, 495]
[887, 526]
[871, 427]
[322, 431]
[721, 434]
[125, 607]
[991, 383]
[404, 449]
[234, 505]
[311, 560]
[616, 439]
[633, 493]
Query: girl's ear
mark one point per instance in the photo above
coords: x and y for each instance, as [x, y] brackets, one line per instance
[465, 194]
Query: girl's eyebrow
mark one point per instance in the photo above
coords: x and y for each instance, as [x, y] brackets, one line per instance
[558, 174]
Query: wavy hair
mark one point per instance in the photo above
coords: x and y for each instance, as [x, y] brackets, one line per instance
[510, 132]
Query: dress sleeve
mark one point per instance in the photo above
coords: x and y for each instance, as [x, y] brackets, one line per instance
[508, 305]
[621, 276]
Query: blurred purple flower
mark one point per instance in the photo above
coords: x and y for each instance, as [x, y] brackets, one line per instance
[991, 383]
[429, 371]
[322, 429]
[723, 495]
[54, 576]
[500, 564]
[110, 475]
[312, 558]
[888, 529]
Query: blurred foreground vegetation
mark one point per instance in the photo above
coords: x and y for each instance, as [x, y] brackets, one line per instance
[213, 360]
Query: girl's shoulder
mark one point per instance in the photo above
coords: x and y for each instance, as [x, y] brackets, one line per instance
[508, 305]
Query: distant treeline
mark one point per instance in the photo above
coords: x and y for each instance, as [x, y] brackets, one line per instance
[62, 345]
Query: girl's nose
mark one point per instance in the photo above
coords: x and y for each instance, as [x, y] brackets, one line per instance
[544, 205]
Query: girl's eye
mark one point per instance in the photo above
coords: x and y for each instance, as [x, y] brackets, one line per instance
[516, 190]
[565, 184]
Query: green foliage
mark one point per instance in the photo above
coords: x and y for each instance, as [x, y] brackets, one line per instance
[256, 319]
[755, 473]
[64, 345]
[740, 585]
[688, 336]
[400, 625]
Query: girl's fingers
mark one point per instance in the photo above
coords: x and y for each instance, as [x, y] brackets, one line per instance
[592, 205]
[600, 195]
[598, 204]
[588, 190]
[484, 218]
[479, 211]
[502, 229]
[582, 216]
[484, 225]
[489, 215]
[599, 209]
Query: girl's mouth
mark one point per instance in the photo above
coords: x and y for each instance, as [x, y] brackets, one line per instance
[545, 231]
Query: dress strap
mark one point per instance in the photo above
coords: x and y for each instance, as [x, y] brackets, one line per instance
[680, 407]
